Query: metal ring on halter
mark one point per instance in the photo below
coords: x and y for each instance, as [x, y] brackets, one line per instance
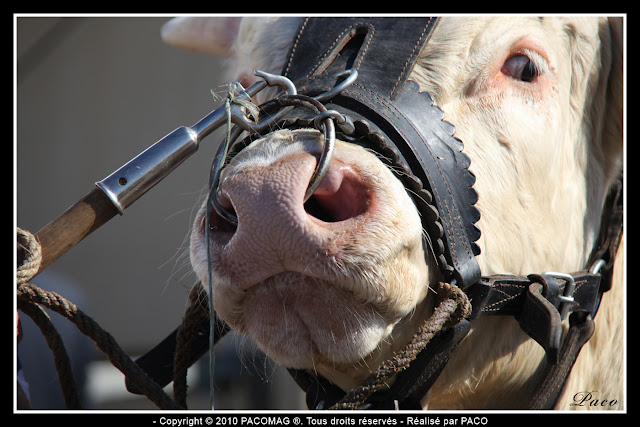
[324, 120]
[216, 171]
[322, 167]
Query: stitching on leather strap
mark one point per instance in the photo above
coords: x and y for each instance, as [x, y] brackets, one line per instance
[410, 59]
[295, 45]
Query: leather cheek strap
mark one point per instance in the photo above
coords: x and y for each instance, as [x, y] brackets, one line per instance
[536, 302]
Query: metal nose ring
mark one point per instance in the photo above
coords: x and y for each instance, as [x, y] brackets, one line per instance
[236, 113]
[275, 110]
[329, 131]
[323, 122]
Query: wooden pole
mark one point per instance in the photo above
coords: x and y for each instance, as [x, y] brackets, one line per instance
[88, 214]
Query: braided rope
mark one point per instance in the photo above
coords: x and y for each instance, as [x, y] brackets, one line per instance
[60, 355]
[453, 307]
[33, 256]
[197, 309]
[25, 272]
[31, 299]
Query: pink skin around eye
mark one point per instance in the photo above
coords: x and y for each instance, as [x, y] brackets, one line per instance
[501, 78]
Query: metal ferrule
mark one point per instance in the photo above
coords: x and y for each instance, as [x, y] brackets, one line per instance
[136, 177]
[140, 174]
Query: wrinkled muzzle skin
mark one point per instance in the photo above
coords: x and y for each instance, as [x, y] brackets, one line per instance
[315, 284]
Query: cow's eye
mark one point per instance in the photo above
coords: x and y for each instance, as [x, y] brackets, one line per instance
[520, 67]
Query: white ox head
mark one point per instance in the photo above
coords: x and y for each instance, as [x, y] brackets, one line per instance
[538, 104]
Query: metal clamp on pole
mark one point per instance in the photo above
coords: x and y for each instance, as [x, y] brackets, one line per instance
[115, 193]
[127, 184]
[131, 181]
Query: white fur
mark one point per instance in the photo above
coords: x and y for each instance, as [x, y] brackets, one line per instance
[544, 154]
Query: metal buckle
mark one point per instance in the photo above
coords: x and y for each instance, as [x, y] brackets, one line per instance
[569, 288]
[597, 266]
[595, 269]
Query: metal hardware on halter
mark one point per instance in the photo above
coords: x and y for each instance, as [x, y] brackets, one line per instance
[344, 122]
[597, 266]
[323, 121]
[567, 296]
[351, 76]
[595, 269]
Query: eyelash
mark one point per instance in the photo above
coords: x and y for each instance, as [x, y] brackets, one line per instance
[520, 67]
[525, 66]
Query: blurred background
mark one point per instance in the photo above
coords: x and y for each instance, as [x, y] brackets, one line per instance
[92, 93]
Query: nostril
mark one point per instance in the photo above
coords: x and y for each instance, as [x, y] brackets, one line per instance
[218, 224]
[314, 208]
[339, 197]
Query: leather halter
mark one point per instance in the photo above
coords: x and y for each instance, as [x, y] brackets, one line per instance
[383, 51]
[407, 127]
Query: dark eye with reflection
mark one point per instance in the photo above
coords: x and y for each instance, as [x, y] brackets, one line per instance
[520, 67]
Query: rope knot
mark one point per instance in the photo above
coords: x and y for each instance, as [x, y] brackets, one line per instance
[252, 109]
[448, 291]
[32, 301]
[30, 264]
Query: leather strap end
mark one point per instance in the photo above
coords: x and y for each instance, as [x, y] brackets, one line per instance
[541, 321]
